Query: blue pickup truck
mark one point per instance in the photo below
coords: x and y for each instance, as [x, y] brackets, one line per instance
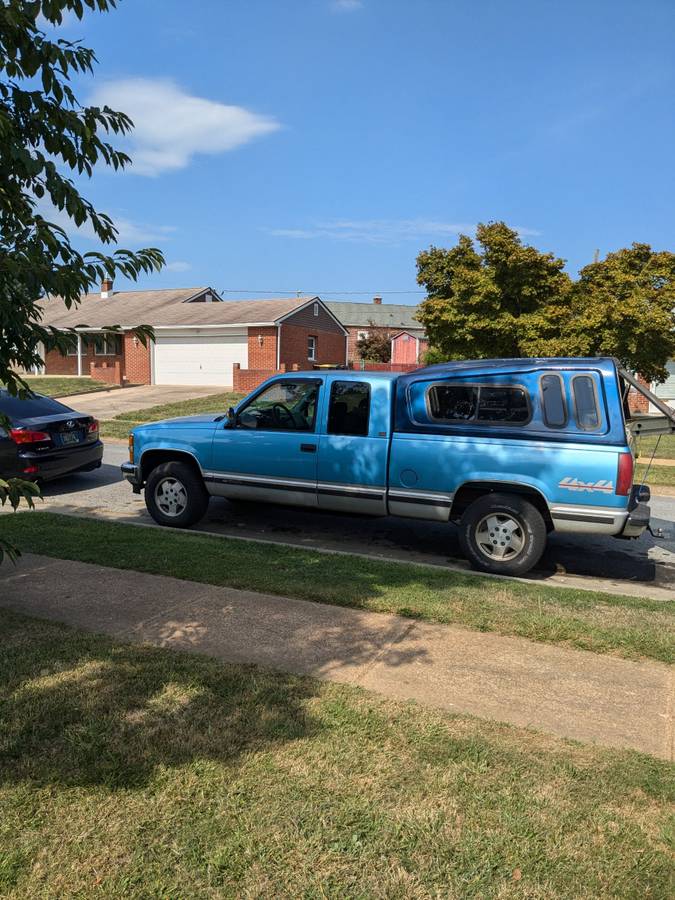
[508, 450]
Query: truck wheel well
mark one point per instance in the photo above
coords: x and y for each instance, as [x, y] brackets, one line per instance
[154, 458]
[467, 493]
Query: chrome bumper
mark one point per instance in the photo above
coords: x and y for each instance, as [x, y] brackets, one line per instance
[132, 475]
[638, 512]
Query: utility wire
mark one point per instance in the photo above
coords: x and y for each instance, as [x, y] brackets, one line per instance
[305, 293]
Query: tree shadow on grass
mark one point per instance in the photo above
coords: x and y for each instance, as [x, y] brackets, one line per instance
[81, 710]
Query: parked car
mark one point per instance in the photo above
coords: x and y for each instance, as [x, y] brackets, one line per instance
[509, 450]
[46, 439]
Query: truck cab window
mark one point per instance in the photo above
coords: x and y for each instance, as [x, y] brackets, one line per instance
[349, 409]
[284, 406]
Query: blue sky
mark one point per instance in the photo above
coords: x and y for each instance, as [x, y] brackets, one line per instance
[318, 145]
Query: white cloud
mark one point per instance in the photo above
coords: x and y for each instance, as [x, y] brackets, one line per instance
[376, 231]
[178, 266]
[171, 126]
[383, 231]
[130, 232]
[345, 5]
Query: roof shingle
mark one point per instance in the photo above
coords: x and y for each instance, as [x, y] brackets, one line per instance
[163, 308]
[385, 315]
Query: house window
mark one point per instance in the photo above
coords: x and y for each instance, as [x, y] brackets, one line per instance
[72, 350]
[311, 348]
[362, 335]
[316, 309]
[107, 344]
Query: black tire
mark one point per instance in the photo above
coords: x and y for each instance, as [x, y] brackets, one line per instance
[489, 523]
[182, 488]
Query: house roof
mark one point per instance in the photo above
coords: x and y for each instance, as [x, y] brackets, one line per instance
[386, 315]
[165, 308]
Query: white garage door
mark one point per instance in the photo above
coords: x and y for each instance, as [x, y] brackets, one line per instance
[199, 358]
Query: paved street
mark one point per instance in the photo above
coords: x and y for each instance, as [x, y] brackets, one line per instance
[645, 566]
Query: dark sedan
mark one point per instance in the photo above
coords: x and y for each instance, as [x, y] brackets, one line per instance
[46, 439]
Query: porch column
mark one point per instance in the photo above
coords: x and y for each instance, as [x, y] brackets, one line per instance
[79, 354]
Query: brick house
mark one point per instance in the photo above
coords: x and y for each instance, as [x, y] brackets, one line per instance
[199, 338]
[391, 319]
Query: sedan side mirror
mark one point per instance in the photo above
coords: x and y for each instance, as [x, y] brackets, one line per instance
[231, 418]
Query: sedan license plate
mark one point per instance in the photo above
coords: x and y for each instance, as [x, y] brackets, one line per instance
[72, 437]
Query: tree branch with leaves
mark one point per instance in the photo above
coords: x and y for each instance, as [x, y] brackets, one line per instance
[46, 138]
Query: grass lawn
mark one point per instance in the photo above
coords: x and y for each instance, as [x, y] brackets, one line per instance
[55, 386]
[121, 425]
[625, 626]
[665, 449]
[658, 475]
[137, 772]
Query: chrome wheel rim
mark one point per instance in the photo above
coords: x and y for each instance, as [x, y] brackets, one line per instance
[500, 536]
[171, 497]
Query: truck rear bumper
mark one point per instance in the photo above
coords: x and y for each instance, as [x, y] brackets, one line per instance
[637, 519]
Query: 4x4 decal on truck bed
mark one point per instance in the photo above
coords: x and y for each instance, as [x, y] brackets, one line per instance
[574, 484]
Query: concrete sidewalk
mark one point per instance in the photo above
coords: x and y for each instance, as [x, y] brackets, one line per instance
[570, 693]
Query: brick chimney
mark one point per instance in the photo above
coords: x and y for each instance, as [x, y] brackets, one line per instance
[106, 288]
[377, 301]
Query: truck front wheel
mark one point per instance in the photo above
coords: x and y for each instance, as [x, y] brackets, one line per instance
[503, 534]
[175, 495]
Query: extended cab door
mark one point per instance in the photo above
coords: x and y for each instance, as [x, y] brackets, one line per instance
[269, 453]
[354, 445]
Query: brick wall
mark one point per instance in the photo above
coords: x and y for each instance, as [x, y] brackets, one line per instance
[56, 364]
[262, 355]
[136, 361]
[246, 380]
[330, 346]
[111, 372]
[385, 367]
[636, 402]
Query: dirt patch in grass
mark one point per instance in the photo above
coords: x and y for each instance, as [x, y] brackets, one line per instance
[139, 772]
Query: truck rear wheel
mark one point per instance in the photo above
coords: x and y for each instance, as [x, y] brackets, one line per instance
[503, 534]
[175, 495]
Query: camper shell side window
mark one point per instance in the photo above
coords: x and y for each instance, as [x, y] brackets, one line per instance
[485, 404]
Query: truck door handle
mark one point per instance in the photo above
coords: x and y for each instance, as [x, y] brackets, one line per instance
[308, 448]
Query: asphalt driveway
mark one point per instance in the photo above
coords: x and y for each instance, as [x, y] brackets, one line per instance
[645, 567]
[108, 404]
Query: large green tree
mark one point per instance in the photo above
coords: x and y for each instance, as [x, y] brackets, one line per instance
[492, 297]
[623, 306]
[47, 138]
[498, 297]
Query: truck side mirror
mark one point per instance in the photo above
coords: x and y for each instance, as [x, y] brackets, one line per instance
[231, 418]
